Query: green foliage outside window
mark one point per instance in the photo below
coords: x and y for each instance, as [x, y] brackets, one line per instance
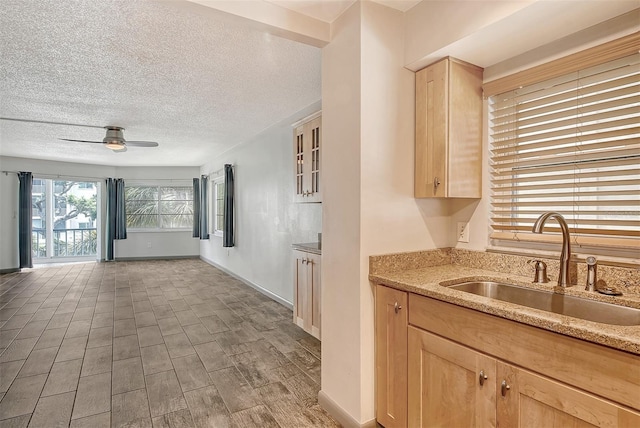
[157, 207]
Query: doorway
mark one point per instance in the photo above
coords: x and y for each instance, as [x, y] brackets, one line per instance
[64, 220]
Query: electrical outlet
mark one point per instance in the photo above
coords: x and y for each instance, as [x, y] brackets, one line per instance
[463, 231]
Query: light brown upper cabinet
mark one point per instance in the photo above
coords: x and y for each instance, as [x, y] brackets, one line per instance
[307, 140]
[448, 130]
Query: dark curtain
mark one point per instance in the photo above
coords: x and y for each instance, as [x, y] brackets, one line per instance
[24, 219]
[227, 231]
[116, 214]
[204, 207]
[196, 208]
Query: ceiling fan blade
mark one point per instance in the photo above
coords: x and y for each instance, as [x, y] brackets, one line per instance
[49, 123]
[80, 141]
[141, 143]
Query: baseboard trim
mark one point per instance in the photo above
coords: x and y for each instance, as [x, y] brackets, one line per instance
[134, 259]
[251, 284]
[9, 270]
[340, 415]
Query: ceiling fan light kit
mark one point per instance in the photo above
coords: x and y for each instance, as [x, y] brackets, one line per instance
[114, 139]
[114, 145]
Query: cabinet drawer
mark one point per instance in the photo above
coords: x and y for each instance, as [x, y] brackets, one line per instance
[607, 372]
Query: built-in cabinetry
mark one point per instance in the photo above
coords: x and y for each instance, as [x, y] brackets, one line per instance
[467, 368]
[448, 152]
[307, 142]
[306, 291]
[391, 357]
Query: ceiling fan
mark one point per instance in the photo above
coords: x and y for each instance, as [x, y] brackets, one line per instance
[115, 141]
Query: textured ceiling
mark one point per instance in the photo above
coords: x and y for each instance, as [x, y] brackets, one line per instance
[165, 72]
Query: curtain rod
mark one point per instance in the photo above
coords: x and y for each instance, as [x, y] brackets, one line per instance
[219, 171]
[36, 174]
[56, 175]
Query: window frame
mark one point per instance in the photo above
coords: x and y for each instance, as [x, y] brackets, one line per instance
[158, 187]
[213, 212]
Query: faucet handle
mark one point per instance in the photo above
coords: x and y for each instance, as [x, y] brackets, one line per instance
[592, 279]
[540, 275]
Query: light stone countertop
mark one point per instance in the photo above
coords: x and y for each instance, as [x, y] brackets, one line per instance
[432, 281]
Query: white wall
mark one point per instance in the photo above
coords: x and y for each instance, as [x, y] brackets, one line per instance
[267, 221]
[163, 244]
[9, 257]
[158, 243]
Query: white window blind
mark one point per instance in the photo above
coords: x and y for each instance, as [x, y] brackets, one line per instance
[569, 144]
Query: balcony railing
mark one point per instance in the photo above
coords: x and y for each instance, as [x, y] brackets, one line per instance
[66, 242]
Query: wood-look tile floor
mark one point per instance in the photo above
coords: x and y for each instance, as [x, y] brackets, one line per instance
[151, 344]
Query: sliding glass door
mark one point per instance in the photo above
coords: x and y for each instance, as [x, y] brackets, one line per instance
[64, 219]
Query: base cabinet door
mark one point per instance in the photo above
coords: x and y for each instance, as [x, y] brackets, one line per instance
[391, 357]
[301, 298]
[526, 399]
[306, 292]
[450, 385]
[314, 290]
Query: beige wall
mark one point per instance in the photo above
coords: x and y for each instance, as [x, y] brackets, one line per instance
[368, 125]
[341, 277]
[432, 25]
[368, 122]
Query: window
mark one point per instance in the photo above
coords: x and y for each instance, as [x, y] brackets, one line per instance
[569, 144]
[59, 207]
[159, 207]
[217, 210]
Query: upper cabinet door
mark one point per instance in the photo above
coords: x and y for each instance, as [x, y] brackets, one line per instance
[307, 143]
[448, 155]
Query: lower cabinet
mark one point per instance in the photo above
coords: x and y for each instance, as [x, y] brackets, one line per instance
[469, 369]
[391, 357]
[450, 385]
[528, 399]
[306, 291]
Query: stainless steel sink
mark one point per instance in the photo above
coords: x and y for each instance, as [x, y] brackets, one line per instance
[572, 306]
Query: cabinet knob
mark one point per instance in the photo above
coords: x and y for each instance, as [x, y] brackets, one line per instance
[482, 377]
[397, 307]
[504, 387]
[436, 181]
[304, 261]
